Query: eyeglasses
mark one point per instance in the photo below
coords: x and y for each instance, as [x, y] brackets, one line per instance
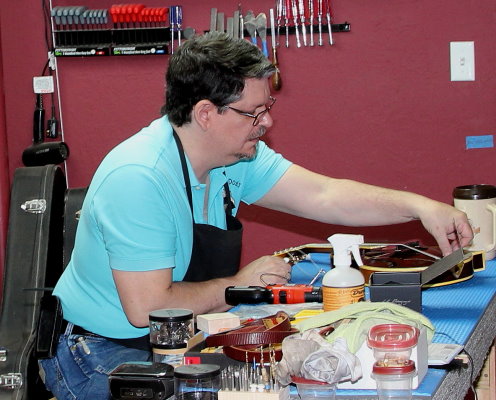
[256, 117]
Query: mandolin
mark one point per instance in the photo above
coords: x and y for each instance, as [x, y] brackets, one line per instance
[397, 257]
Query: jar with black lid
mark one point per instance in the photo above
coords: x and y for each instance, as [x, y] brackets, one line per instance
[196, 381]
[170, 331]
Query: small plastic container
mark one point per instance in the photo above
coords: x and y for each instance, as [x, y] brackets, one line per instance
[171, 328]
[310, 389]
[394, 383]
[196, 381]
[392, 343]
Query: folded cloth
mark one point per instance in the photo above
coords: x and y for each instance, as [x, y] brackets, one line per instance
[310, 356]
[360, 317]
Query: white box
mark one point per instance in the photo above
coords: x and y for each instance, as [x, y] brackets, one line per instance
[367, 360]
[217, 322]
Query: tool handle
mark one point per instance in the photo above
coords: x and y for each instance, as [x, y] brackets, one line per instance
[265, 51]
[276, 78]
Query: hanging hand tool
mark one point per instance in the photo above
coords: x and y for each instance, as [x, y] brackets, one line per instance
[220, 22]
[279, 18]
[179, 22]
[261, 24]
[276, 78]
[329, 25]
[294, 11]
[319, 20]
[213, 19]
[235, 28]
[241, 22]
[172, 21]
[312, 16]
[251, 26]
[301, 11]
[229, 26]
[286, 12]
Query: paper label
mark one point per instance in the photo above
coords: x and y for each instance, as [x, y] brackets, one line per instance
[336, 297]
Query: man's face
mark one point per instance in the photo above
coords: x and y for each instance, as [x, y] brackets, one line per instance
[237, 135]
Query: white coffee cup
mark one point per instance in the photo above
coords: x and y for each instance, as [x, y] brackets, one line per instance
[479, 203]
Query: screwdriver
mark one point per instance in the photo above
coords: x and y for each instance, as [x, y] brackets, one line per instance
[311, 18]
[328, 15]
[301, 10]
[276, 78]
[294, 10]
[319, 19]
[286, 11]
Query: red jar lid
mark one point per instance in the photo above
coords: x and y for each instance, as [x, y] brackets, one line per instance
[406, 368]
[392, 336]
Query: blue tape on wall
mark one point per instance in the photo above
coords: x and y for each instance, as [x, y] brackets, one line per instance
[479, 142]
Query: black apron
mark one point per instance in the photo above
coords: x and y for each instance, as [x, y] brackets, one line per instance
[216, 252]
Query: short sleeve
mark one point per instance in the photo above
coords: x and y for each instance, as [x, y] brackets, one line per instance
[135, 220]
[263, 173]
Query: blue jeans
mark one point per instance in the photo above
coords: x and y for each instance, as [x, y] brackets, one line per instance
[73, 374]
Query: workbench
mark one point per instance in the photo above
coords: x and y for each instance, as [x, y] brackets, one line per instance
[463, 313]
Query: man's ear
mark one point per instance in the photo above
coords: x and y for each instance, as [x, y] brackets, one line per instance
[203, 112]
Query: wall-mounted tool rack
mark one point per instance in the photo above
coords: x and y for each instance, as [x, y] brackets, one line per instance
[115, 42]
[132, 41]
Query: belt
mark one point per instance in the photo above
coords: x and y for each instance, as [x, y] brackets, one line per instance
[255, 340]
[139, 343]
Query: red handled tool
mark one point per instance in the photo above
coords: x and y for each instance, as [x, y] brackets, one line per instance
[273, 294]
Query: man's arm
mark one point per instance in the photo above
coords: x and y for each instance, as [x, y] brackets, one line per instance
[345, 202]
[145, 291]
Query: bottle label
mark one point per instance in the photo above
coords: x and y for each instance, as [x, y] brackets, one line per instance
[336, 297]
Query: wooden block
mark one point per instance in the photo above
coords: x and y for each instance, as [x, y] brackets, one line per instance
[217, 322]
[485, 386]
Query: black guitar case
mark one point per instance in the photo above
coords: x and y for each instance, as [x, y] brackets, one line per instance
[34, 262]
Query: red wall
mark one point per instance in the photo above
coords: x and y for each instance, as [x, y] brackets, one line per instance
[378, 106]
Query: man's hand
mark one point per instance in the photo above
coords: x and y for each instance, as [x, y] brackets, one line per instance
[448, 225]
[263, 271]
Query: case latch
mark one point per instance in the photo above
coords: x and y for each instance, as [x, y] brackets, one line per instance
[11, 380]
[36, 206]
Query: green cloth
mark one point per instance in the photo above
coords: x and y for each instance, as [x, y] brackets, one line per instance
[363, 316]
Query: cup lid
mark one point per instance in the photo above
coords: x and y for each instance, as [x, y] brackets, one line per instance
[197, 371]
[406, 368]
[171, 315]
[392, 336]
[474, 192]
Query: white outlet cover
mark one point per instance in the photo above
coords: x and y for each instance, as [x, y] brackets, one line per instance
[462, 61]
[43, 84]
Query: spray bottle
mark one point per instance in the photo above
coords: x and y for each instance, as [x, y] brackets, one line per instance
[343, 285]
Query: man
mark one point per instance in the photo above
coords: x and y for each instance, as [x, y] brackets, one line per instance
[139, 249]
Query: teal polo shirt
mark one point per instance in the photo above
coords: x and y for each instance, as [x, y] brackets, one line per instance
[136, 217]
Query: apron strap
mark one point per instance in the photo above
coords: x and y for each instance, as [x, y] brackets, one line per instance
[228, 203]
[184, 167]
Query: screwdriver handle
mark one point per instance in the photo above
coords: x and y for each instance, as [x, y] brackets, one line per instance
[276, 77]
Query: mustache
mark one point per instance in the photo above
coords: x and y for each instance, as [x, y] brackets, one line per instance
[258, 133]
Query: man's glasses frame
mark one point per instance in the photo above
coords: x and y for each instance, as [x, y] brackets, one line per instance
[256, 117]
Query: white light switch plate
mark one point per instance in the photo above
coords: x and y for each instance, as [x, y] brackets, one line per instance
[462, 61]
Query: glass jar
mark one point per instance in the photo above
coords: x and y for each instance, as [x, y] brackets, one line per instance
[171, 328]
[196, 382]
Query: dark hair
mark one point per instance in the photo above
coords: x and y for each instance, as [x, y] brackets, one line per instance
[213, 67]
